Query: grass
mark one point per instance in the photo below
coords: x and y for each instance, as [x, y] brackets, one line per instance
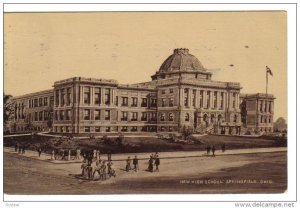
[142, 144]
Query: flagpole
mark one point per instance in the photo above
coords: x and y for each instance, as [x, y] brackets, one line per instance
[266, 82]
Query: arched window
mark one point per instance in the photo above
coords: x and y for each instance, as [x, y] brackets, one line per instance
[219, 117]
[187, 117]
[171, 117]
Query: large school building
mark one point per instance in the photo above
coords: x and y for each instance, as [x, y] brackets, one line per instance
[181, 95]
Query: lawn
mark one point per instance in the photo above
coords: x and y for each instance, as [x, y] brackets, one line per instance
[142, 144]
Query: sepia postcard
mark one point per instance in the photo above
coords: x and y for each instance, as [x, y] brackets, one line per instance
[132, 102]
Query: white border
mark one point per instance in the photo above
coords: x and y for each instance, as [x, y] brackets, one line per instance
[290, 8]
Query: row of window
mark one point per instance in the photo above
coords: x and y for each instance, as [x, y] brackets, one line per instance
[39, 116]
[164, 91]
[265, 119]
[40, 102]
[88, 129]
[267, 107]
[63, 97]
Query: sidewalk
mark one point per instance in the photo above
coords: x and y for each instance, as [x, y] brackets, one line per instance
[145, 156]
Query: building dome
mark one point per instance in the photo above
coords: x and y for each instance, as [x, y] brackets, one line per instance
[181, 64]
[181, 60]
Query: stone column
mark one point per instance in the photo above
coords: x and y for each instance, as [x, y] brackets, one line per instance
[237, 100]
[112, 94]
[92, 95]
[102, 96]
[211, 99]
[59, 97]
[81, 94]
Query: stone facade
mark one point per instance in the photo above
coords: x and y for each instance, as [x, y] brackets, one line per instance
[257, 111]
[180, 95]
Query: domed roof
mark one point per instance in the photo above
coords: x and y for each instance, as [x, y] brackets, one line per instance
[181, 60]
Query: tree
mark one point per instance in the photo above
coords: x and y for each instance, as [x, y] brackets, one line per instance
[186, 132]
[280, 124]
[8, 110]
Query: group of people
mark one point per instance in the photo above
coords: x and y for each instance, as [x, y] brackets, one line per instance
[153, 160]
[20, 148]
[212, 149]
[93, 164]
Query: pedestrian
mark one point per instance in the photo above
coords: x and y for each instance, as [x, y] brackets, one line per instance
[95, 153]
[157, 163]
[109, 155]
[53, 155]
[69, 155]
[20, 149]
[128, 163]
[110, 170]
[23, 149]
[97, 169]
[89, 170]
[103, 171]
[208, 149]
[78, 153]
[223, 147]
[213, 149]
[135, 163]
[83, 167]
[150, 166]
[16, 147]
[98, 154]
[40, 151]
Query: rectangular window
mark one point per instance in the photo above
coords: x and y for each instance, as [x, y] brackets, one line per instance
[29, 103]
[233, 100]
[144, 102]
[171, 102]
[68, 115]
[107, 129]
[68, 96]
[134, 116]
[97, 114]
[270, 107]
[67, 129]
[36, 103]
[201, 98]
[134, 102]
[124, 101]
[62, 115]
[153, 117]
[163, 92]
[46, 115]
[186, 97]
[171, 90]
[124, 128]
[40, 101]
[62, 97]
[61, 129]
[87, 114]
[162, 117]
[124, 116]
[97, 96]
[41, 116]
[222, 100]
[153, 102]
[208, 99]
[87, 129]
[97, 129]
[134, 128]
[215, 100]
[194, 98]
[107, 96]
[56, 97]
[144, 116]
[51, 100]
[87, 95]
[45, 101]
[144, 128]
[163, 102]
[55, 115]
[107, 115]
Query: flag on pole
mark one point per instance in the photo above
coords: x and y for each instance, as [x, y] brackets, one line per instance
[269, 71]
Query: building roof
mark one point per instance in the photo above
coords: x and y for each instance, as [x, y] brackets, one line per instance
[181, 60]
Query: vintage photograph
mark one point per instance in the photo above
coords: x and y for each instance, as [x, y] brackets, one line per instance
[145, 103]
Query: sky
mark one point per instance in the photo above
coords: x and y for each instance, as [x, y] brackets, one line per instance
[41, 48]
